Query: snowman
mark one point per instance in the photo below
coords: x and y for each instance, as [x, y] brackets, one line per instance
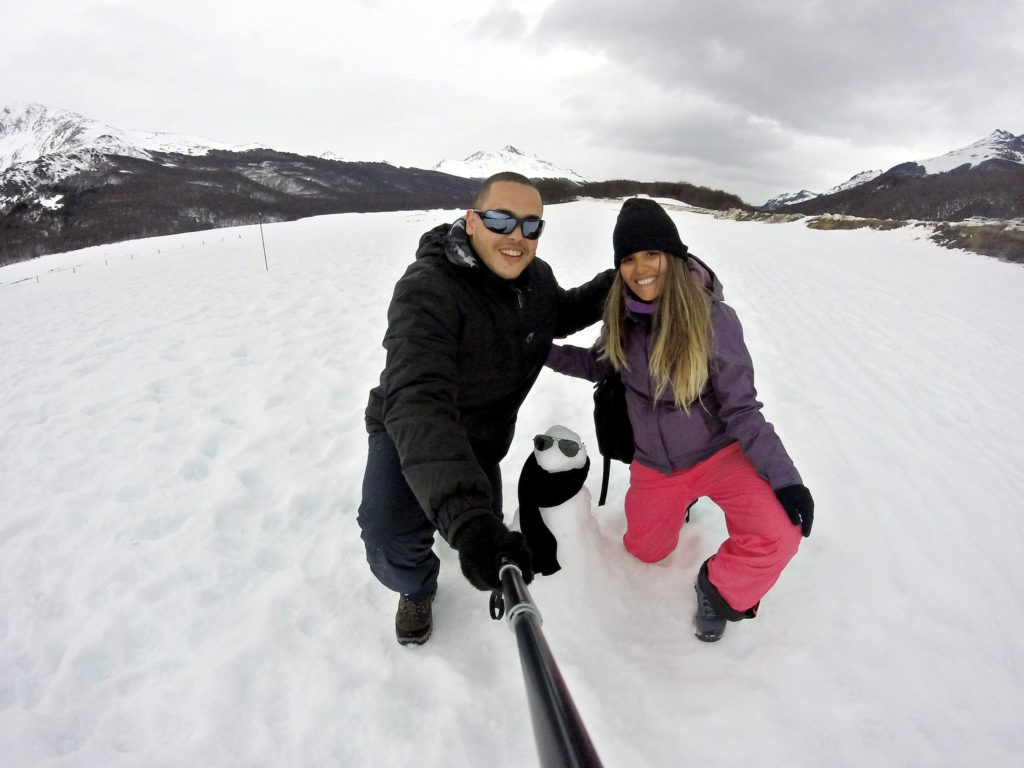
[552, 475]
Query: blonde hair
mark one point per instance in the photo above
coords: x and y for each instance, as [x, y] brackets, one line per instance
[682, 348]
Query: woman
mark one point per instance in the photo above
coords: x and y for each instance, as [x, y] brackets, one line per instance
[697, 423]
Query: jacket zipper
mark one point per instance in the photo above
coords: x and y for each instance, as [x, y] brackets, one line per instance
[648, 337]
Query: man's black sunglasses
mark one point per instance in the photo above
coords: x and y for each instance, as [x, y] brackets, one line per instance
[569, 447]
[504, 223]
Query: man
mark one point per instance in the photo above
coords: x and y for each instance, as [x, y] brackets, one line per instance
[469, 328]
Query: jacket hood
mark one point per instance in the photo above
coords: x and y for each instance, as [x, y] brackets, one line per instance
[707, 277]
[450, 240]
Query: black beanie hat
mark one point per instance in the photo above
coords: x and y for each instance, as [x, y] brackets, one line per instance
[643, 225]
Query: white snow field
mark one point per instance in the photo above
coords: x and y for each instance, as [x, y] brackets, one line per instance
[182, 581]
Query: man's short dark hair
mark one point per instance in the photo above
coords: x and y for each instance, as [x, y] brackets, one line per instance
[512, 176]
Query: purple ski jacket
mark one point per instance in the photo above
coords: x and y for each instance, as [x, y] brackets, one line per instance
[667, 437]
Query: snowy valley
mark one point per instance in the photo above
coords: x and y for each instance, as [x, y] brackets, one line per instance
[182, 447]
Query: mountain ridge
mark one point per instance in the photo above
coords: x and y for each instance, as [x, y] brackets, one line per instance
[70, 182]
[1000, 145]
[30, 131]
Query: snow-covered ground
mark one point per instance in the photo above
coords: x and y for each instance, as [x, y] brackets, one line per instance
[182, 581]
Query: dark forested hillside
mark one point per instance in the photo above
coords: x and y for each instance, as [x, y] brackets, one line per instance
[126, 198]
[993, 189]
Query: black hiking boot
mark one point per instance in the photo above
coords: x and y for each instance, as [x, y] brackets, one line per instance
[708, 623]
[414, 621]
[712, 609]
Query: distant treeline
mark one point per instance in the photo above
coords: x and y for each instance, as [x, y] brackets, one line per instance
[564, 191]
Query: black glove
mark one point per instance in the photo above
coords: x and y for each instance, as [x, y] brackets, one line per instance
[799, 505]
[482, 544]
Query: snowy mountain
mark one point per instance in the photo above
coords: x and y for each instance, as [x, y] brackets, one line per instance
[855, 181]
[792, 198]
[480, 165]
[803, 196]
[984, 179]
[999, 147]
[29, 132]
[789, 198]
[41, 146]
[67, 182]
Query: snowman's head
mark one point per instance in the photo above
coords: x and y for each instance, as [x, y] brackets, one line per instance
[559, 450]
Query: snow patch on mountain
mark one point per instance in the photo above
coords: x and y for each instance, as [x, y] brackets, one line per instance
[789, 198]
[856, 180]
[53, 202]
[482, 164]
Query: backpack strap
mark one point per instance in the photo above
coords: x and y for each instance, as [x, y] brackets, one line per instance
[606, 465]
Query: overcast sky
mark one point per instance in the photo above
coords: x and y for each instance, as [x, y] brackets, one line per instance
[755, 98]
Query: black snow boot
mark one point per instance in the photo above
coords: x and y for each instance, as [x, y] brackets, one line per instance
[414, 620]
[708, 622]
[712, 609]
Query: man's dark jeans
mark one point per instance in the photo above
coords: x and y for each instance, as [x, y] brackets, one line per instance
[395, 530]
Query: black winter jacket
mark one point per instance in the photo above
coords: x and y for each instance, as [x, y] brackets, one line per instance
[464, 347]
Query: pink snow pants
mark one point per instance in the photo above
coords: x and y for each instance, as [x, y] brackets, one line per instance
[761, 537]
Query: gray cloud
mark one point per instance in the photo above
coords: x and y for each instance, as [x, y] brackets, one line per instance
[502, 22]
[821, 66]
[867, 73]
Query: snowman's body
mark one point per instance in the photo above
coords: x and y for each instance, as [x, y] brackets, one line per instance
[550, 477]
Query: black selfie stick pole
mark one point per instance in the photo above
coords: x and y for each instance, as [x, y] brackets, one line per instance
[562, 740]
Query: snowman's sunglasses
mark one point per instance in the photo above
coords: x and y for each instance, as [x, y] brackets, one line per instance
[569, 447]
